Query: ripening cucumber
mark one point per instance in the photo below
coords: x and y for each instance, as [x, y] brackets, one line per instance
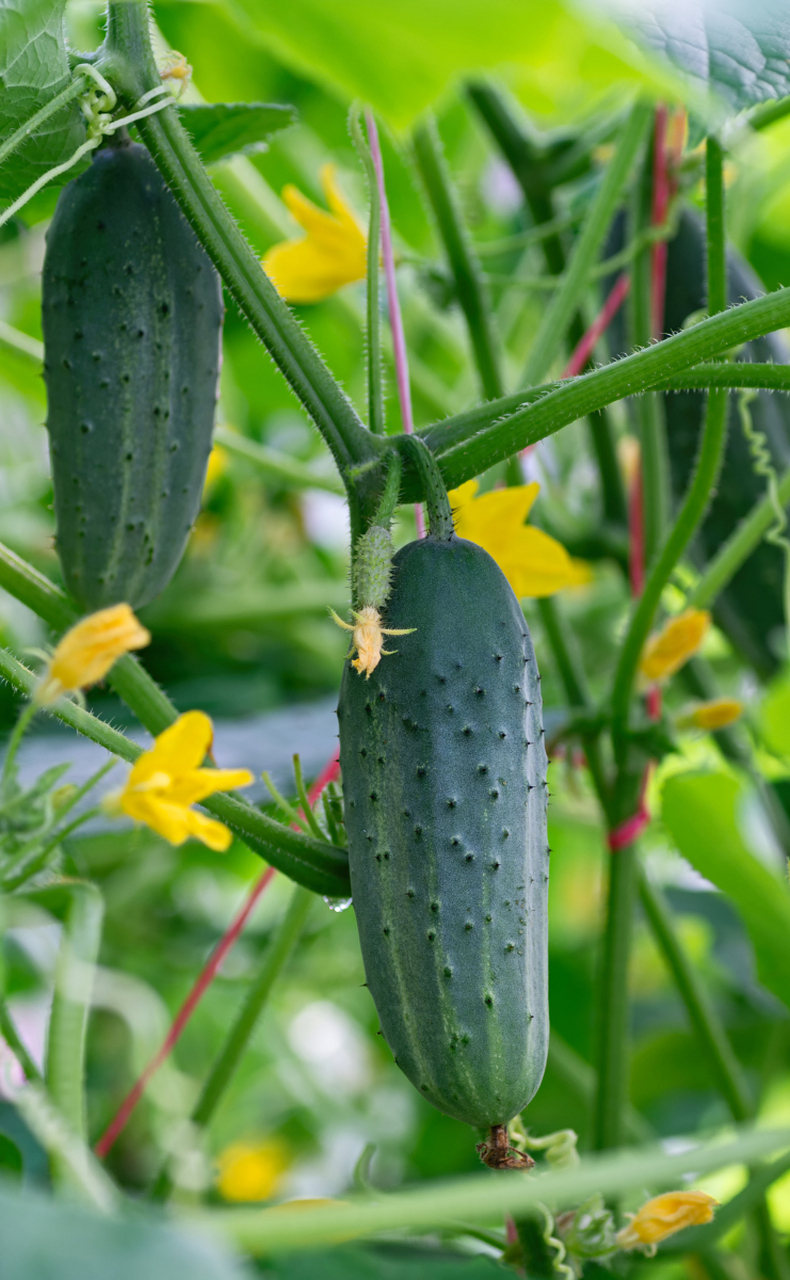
[132, 317]
[444, 781]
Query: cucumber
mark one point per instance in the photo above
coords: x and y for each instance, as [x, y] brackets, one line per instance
[132, 318]
[750, 609]
[444, 782]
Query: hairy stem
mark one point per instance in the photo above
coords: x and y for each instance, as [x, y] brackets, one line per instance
[566, 300]
[468, 276]
[127, 61]
[376, 420]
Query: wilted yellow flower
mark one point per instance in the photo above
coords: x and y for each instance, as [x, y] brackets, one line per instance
[167, 780]
[715, 714]
[680, 638]
[533, 563]
[251, 1171]
[663, 1216]
[87, 651]
[368, 638]
[333, 253]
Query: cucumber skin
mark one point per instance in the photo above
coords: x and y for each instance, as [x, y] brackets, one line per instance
[132, 317]
[420, 867]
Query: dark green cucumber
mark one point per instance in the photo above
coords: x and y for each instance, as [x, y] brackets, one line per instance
[132, 316]
[444, 780]
[750, 610]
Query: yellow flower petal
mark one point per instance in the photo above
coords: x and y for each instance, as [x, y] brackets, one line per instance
[534, 563]
[89, 649]
[166, 781]
[664, 1215]
[492, 519]
[251, 1172]
[333, 253]
[715, 714]
[666, 652]
[217, 462]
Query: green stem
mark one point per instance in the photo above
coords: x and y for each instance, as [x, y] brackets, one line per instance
[738, 547]
[612, 1053]
[716, 246]
[574, 683]
[482, 1199]
[577, 1074]
[314, 863]
[280, 466]
[703, 1018]
[440, 515]
[278, 953]
[12, 1038]
[128, 62]
[566, 300]
[376, 417]
[691, 513]
[473, 441]
[17, 734]
[535, 180]
[706, 472]
[68, 1022]
[467, 273]
[73, 90]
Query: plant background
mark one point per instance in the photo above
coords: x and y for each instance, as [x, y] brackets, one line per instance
[243, 633]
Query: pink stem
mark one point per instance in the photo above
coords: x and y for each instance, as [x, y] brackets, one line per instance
[396, 319]
[586, 344]
[205, 978]
[661, 197]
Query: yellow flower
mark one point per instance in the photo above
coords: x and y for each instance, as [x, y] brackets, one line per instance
[533, 563]
[88, 650]
[680, 638]
[248, 1171]
[664, 1215]
[167, 780]
[715, 714]
[368, 638]
[333, 253]
[217, 462]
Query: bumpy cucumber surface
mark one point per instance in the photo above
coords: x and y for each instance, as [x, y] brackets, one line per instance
[444, 779]
[132, 315]
[750, 609]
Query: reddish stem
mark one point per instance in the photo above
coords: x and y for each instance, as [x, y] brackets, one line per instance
[396, 319]
[586, 344]
[202, 984]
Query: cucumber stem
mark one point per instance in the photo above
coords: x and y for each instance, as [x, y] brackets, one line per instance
[440, 515]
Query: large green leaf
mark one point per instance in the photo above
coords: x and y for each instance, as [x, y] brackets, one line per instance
[740, 49]
[700, 811]
[42, 1239]
[34, 68]
[400, 55]
[226, 128]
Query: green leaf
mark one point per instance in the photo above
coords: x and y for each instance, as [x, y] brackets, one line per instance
[402, 57]
[42, 1238]
[225, 128]
[700, 812]
[737, 48]
[34, 68]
